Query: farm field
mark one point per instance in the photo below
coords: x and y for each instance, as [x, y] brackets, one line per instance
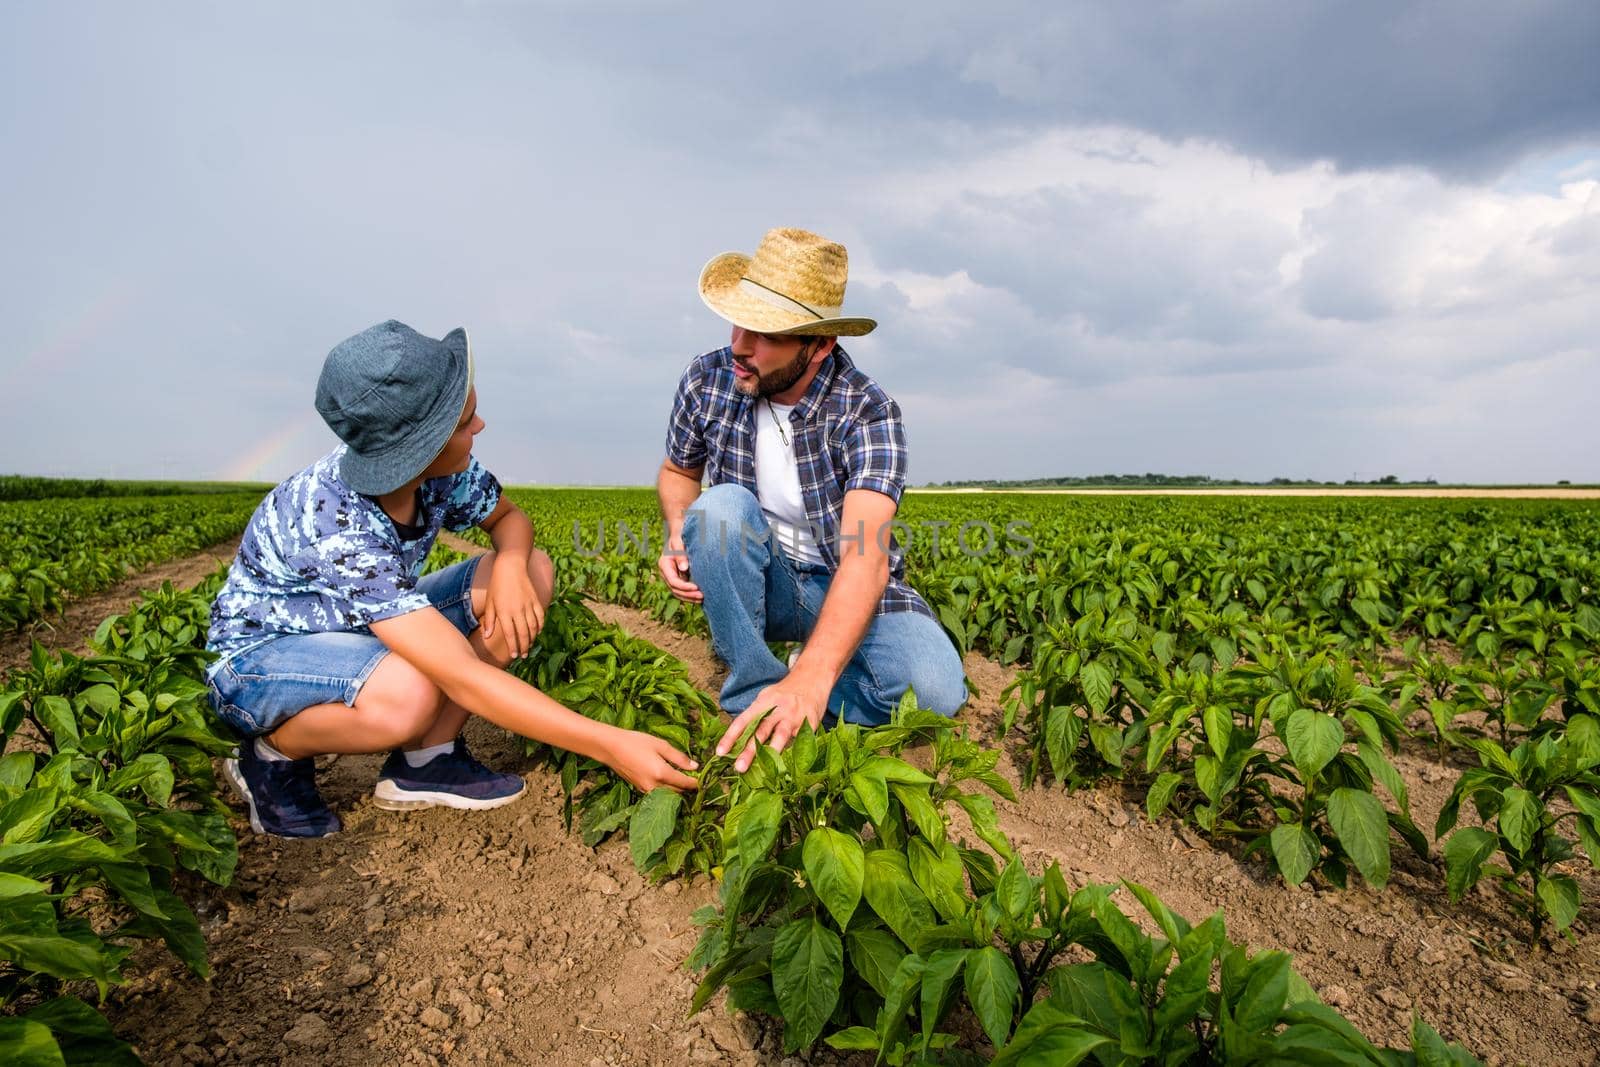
[1365, 729]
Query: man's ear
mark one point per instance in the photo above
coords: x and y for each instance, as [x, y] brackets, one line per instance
[825, 347]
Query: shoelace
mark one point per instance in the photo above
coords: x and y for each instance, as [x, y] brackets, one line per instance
[465, 760]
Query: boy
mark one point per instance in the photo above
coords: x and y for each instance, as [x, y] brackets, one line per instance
[331, 644]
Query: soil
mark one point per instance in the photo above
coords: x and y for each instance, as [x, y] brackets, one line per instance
[443, 936]
[72, 629]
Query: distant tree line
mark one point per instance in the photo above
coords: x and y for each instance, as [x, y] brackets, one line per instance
[28, 487]
[1153, 480]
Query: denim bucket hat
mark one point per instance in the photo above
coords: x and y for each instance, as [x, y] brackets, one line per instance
[394, 397]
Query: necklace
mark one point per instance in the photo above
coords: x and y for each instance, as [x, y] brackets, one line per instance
[778, 424]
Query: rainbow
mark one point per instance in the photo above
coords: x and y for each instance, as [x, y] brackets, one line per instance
[277, 455]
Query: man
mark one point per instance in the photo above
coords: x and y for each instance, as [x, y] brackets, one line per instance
[805, 457]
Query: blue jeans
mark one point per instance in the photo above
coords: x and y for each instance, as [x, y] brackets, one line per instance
[256, 690]
[754, 593]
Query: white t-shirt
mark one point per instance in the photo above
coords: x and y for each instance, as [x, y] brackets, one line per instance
[778, 483]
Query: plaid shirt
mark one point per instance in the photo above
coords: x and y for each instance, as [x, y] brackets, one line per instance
[847, 435]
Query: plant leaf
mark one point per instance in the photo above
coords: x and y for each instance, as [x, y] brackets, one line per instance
[1362, 826]
[1464, 856]
[836, 867]
[1297, 850]
[807, 974]
[994, 991]
[1519, 818]
[1313, 739]
[652, 824]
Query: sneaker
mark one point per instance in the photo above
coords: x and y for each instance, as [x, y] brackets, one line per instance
[452, 780]
[281, 795]
[794, 653]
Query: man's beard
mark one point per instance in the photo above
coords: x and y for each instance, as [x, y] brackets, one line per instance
[779, 378]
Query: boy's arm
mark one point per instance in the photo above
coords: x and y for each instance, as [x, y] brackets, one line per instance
[426, 639]
[847, 611]
[512, 601]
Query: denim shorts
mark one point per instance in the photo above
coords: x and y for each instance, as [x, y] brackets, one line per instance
[254, 691]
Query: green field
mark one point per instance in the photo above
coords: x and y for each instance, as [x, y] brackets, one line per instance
[1249, 667]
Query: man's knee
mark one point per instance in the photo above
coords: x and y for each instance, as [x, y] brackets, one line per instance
[723, 510]
[940, 687]
[932, 667]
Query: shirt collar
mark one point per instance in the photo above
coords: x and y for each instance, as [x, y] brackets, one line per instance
[834, 365]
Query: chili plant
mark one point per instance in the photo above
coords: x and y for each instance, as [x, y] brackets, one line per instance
[839, 866]
[598, 670]
[1150, 999]
[1318, 708]
[1083, 702]
[111, 797]
[1515, 794]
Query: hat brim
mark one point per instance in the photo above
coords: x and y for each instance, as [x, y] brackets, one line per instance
[376, 475]
[720, 289]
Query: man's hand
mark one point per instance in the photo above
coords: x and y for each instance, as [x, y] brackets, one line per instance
[648, 762]
[512, 605]
[792, 702]
[674, 566]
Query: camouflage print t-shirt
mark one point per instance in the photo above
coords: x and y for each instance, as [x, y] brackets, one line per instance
[320, 557]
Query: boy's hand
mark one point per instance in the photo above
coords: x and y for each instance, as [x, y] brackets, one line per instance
[793, 702]
[649, 762]
[674, 567]
[512, 605]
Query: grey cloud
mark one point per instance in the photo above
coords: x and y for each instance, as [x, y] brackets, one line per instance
[1461, 87]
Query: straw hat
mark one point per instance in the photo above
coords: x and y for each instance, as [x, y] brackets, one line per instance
[794, 284]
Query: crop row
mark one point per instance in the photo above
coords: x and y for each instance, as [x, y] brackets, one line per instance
[851, 911]
[107, 792]
[51, 550]
[1252, 665]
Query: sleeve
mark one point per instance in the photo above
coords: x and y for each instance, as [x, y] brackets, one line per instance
[686, 444]
[876, 452]
[368, 575]
[474, 494]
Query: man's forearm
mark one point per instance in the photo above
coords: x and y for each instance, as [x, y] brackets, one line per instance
[676, 490]
[846, 615]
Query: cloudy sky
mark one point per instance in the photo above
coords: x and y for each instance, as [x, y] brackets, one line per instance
[1241, 239]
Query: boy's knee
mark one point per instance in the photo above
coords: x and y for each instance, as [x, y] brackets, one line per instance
[402, 707]
[497, 652]
[541, 569]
